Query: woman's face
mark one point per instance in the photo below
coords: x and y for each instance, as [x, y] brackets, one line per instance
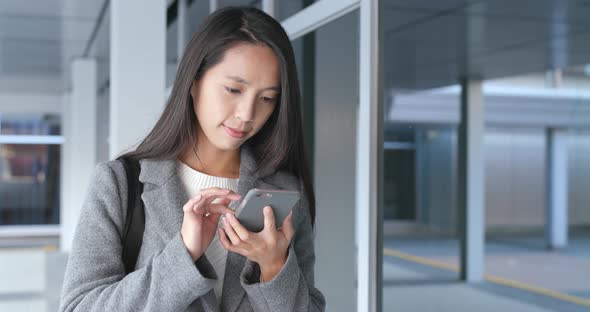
[235, 98]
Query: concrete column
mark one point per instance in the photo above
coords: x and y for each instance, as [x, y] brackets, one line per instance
[138, 62]
[181, 20]
[471, 181]
[79, 148]
[213, 5]
[66, 232]
[269, 7]
[369, 161]
[554, 78]
[335, 123]
[556, 203]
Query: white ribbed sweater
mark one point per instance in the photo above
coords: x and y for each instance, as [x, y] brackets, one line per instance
[193, 181]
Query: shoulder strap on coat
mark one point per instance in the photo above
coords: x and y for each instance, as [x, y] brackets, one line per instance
[135, 220]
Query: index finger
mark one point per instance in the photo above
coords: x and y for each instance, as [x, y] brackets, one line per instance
[217, 191]
[242, 232]
[220, 209]
[208, 201]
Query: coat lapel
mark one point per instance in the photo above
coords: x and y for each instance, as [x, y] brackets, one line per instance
[164, 189]
[164, 192]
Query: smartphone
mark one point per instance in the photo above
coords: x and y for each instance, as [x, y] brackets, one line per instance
[249, 211]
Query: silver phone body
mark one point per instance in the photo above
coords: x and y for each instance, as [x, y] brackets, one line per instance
[249, 211]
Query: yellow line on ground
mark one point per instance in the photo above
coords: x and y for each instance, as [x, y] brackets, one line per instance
[421, 260]
[47, 248]
[538, 290]
[489, 278]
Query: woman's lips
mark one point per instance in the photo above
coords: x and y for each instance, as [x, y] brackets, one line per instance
[234, 132]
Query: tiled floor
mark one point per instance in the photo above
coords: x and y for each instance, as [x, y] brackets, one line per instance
[406, 289]
[31, 279]
[520, 259]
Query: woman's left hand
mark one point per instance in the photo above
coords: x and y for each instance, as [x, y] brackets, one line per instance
[268, 247]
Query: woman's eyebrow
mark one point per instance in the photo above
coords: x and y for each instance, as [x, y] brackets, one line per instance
[242, 80]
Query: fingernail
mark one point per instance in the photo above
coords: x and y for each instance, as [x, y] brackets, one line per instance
[198, 197]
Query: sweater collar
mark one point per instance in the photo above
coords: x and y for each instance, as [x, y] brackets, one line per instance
[158, 172]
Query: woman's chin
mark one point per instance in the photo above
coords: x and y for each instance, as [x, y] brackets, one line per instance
[228, 144]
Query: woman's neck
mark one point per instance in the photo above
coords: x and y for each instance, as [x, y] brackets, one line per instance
[212, 161]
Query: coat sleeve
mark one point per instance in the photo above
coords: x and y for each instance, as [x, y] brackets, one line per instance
[292, 289]
[95, 277]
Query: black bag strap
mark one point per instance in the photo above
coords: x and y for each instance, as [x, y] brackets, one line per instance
[135, 220]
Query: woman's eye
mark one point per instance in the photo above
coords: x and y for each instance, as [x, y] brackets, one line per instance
[268, 99]
[232, 90]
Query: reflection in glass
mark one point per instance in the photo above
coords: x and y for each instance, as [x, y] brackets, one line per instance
[32, 124]
[29, 184]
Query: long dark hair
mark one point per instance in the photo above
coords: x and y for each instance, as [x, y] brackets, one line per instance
[279, 143]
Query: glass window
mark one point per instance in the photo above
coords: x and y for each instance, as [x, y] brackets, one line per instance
[531, 155]
[327, 61]
[29, 184]
[171, 42]
[250, 3]
[398, 172]
[287, 8]
[29, 169]
[34, 124]
[198, 10]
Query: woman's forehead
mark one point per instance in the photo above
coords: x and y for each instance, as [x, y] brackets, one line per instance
[251, 63]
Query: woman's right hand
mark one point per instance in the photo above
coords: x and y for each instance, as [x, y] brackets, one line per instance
[201, 217]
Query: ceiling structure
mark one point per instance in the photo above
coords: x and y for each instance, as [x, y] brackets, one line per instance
[435, 43]
[39, 38]
[428, 43]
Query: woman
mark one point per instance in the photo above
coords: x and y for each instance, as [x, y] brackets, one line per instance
[232, 123]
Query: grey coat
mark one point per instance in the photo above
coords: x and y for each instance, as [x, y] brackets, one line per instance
[166, 278]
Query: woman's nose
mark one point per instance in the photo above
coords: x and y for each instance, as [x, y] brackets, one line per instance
[246, 110]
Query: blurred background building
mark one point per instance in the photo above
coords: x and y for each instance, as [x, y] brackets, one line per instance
[450, 140]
